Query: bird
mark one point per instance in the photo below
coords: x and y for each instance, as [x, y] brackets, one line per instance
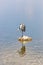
[22, 27]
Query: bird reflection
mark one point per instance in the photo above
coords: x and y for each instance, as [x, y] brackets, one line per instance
[22, 51]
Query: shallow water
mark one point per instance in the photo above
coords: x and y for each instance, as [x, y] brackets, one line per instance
[10, 56]
[13, 13]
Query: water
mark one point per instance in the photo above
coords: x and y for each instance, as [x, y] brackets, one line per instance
[9, 53]
[9, 47]
[13, 13]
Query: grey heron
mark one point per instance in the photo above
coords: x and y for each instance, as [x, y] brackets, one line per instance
[22, 27]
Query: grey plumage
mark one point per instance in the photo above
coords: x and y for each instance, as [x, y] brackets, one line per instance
[22, 27]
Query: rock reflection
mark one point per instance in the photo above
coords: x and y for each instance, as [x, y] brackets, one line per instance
[22, 51]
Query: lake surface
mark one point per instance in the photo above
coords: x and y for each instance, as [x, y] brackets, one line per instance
[12, 14]
[9, 45]
[9, 53]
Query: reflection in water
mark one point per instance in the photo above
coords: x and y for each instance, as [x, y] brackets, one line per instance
[22, 51]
